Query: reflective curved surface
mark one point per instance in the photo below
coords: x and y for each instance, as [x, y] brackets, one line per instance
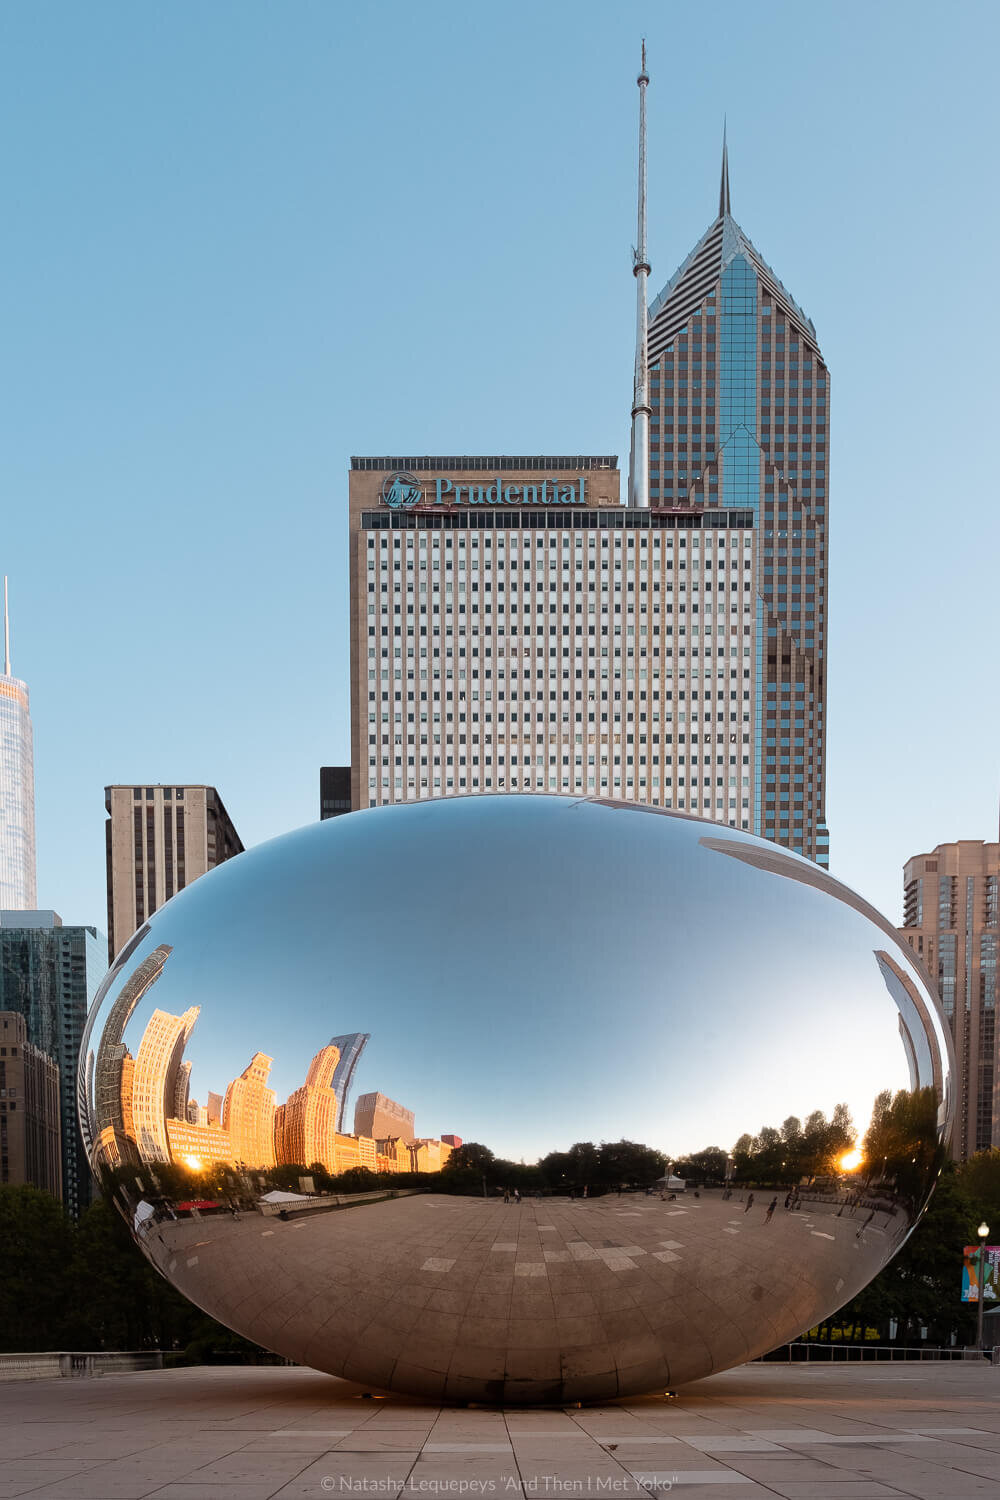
[537, 975]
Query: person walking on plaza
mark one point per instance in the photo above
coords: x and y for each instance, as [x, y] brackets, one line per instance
[749, 1203]
[506, 1195]
[770, 1210]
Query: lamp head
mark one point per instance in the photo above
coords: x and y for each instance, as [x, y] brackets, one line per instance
[983, 1230]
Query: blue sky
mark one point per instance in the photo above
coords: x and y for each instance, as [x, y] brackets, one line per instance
[244, 241]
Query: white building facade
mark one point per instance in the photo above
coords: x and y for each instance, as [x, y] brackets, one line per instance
[504, 642]
[17, 789]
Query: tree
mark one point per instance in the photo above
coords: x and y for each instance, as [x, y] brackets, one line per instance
[470, 1155]
[36, 1247]
[921, 1287]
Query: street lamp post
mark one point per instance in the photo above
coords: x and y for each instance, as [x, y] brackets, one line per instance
[982, 1231]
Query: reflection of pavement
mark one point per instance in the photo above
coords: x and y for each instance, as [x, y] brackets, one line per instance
[444, 1296]
[924, 1430]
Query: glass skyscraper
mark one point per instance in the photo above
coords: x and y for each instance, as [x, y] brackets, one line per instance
[740, 399]
[17, 788]
[49, 974]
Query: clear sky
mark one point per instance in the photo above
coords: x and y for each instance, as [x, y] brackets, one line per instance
[244, 241]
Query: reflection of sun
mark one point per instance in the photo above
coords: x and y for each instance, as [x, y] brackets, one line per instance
[194, 1162]
[851, 1160]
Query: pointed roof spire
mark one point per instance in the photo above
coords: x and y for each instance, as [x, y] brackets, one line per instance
[724, 183]
[6, 631]
[641, 409]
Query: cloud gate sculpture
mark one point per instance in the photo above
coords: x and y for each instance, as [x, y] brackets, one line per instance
[386, 1095]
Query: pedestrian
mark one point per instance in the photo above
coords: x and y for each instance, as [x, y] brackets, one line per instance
[788, 1198]
[770, 1210]
[749, 1203]
[506, 1195]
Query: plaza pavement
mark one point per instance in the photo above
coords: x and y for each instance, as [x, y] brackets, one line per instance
[848, 1432]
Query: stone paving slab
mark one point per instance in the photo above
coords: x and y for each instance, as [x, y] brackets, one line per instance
[805, 1432]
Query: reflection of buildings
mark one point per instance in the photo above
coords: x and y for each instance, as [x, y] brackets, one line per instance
[248, 1114]
[350, 1048]
[950, 919]
[114, 1070]
[29, 1110]
[306, 1124]
[158, 840]
[154, 1088]
[380, 1117]
[145, 1111]
[50, 974]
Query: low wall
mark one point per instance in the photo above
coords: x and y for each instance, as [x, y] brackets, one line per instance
[51, 1365]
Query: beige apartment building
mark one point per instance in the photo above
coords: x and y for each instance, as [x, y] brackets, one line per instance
[515, 628]
[158, 839]
[950, 919]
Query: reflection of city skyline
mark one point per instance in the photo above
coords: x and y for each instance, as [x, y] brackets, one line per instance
[144, 1110]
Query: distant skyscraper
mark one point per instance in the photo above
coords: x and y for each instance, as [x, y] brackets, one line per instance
[382, 1118]
[50, 974]
[112, 1072]
[158, 1063]
[951, 899]
[248, 1114]
[158, 840]
[30, 1132]
[514, 627]
[740, 406]
[334, 791]
[306, 1124]
[17, 787]
[350, 1048]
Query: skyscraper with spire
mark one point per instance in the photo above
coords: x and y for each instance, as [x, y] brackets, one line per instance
[514, 626]
[739, 398]
[17, 786]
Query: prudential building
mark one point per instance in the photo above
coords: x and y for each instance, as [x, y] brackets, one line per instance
[516, 626]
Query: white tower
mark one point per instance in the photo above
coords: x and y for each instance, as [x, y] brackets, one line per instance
[641, 410]
[17, 787]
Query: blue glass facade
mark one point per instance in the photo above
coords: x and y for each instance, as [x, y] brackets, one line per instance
[740, 421]
[50, 975]
[740, 454]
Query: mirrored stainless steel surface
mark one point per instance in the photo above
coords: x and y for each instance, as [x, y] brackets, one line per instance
[526, 973]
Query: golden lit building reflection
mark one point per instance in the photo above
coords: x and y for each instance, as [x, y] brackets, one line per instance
[153, 1117]
[154, 1088]
[248, 1113]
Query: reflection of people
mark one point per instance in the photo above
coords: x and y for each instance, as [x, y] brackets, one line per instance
[749, 1203]
[865, 1225]
[770, 1210]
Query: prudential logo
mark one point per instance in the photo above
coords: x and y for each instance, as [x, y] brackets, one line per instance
[401, 491]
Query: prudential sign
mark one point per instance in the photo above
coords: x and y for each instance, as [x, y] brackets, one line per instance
[403, 491]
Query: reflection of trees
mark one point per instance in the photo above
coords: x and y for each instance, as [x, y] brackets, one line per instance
[792, 1151]
[584, 1166]
[901, 1144]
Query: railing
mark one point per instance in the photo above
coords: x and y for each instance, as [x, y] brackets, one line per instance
[795, 1353]
[55, 1363]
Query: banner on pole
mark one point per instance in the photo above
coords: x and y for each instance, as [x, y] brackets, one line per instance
[991, 1273]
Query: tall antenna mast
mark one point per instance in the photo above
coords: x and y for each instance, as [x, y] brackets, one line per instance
[641, 410]
[6, 631]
